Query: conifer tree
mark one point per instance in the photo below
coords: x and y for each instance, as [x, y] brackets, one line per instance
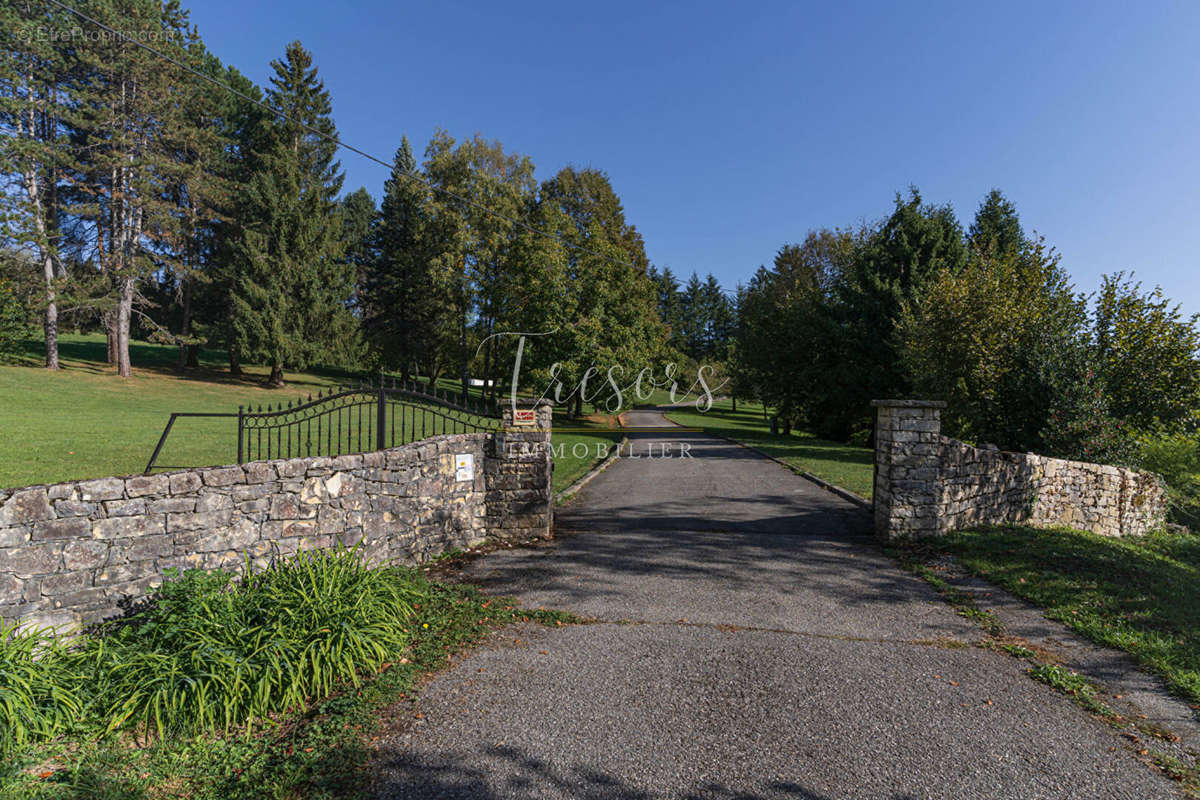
[292, 287]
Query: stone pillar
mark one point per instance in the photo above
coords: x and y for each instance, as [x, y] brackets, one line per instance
[520, 503]
[907, 468]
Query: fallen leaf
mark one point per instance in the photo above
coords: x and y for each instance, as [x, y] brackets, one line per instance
[543, 652]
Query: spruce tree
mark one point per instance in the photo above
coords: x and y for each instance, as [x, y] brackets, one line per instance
[292, 287]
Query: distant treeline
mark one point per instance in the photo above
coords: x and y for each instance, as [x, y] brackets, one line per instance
[985, 318]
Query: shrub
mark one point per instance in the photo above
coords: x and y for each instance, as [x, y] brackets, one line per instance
[1081, 427]
[211, 652]
[13, 317]
[39, 687]
[1175, 456]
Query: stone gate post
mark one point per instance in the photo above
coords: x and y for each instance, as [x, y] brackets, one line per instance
[907, 471]
[520, 502]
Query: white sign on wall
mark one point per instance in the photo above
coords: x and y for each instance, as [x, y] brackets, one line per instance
[464, 467]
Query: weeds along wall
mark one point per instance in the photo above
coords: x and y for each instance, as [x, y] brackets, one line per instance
[927, 484]
[75, 553]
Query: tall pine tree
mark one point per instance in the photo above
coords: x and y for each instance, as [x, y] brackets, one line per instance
[292, 287]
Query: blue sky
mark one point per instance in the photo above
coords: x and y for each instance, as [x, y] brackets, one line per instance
[728, 129]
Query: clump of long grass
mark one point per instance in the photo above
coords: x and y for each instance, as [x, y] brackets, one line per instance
[212, 652]
[39, 687]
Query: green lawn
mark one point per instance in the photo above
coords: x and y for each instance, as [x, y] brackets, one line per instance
[85, 422]
[841, 464]
[579, 444]
[1140, 595]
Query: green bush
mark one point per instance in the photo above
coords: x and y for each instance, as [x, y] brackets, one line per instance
[39, 687]
[210, 652]
[1175, 456]
[13, 317]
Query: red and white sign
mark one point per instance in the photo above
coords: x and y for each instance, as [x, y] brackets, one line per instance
[524, 416]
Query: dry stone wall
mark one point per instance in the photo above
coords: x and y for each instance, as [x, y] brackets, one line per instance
[73, 553]
[927, 484]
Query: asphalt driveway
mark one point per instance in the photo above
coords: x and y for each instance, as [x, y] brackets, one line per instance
[751, 642]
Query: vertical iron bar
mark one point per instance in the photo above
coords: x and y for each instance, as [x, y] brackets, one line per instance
[241, 432]
[380, 439]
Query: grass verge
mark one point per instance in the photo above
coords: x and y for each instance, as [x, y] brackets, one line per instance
[1180, 765]
[580, 444]
[841, 464]
[1139, 595]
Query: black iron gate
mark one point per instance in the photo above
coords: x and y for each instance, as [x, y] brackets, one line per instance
[346, 420]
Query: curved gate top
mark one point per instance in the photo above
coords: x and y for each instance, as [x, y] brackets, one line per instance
[353, 419]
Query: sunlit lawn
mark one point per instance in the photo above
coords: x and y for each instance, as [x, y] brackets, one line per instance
[85, 422]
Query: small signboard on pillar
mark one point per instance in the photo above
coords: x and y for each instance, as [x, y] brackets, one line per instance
[464, 467]
[526, 417]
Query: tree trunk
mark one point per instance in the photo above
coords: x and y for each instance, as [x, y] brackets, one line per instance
[466, 365]
[235, 361]
[733, 397]
[275, 380]
[124, 311]
[108, 320]
[185, 327]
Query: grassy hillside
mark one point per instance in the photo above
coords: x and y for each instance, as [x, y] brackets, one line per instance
[85, 422]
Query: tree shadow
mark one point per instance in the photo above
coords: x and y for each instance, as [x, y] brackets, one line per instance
[505, 771]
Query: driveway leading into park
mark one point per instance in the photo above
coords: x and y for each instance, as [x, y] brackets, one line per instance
[751, 642]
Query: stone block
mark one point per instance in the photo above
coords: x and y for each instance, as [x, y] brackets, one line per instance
[125, 527]
[222, 476]
[211, 501]
[124, 508]
[185, 482]
[75, 508]
[14, 537]
[259, 472]
[238, 536]
[60, 491]
[101, 489]
[148, 547]
[11, 590]
[172, 505]
[86, 554]
[26, 505]
[31, 560]
[198, 521]
[65, 582]
[143, 485]
[71, 528]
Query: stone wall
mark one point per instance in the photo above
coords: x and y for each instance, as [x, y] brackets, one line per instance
[71, 553]
[927, 484]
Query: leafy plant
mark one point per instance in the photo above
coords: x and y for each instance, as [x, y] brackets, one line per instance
[39, 681]
[211, 653]
[1174, 456]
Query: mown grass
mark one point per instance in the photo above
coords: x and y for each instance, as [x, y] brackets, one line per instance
[317, 749]
[842, 465]
[579, 444]
[1139, 595]
[85, 422]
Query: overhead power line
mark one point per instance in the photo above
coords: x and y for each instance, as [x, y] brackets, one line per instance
[337, 141]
